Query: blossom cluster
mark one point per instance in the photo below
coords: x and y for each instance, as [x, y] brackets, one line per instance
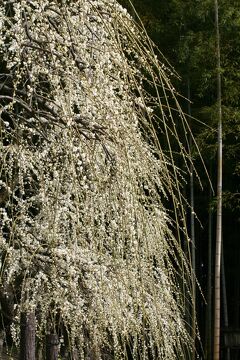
[85, 238]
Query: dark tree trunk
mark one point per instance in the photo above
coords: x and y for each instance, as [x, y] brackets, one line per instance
[27, 336]
[52, 347]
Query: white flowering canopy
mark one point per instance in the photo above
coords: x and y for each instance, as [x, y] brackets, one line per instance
[85, 238]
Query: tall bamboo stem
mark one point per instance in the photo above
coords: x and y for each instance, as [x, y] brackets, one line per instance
[192, 231]
[217, 300]
[208, 332]
[225, 304]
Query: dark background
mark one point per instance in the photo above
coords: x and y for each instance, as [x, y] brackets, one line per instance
[184, 32]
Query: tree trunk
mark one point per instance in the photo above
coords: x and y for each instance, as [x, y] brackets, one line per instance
[52, 347]
[27, 336]
[216, 348]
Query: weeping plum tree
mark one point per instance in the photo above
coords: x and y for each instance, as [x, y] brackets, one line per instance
[86, 242]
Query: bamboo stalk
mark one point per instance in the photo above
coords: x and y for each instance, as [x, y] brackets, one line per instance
[217, 300]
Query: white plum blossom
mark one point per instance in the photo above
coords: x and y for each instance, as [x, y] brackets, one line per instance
[85, 239]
